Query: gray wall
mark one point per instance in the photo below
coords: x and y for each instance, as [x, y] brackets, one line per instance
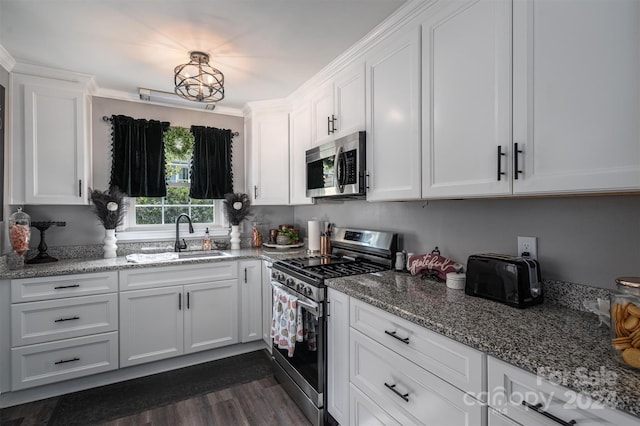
[586, 240]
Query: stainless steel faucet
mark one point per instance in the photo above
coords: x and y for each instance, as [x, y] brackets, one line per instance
[182, 246]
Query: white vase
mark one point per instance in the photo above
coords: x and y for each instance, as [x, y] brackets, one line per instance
[235, 237]
[110, 246]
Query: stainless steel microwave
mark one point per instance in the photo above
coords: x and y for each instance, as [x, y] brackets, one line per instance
[336, 169]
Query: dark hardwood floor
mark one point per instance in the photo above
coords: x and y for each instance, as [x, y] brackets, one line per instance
[261, 402]
[253, 398]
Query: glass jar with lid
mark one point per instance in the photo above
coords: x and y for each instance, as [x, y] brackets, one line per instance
[625, 321]
[19, 235]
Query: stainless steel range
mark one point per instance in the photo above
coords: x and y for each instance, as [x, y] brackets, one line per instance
[302, 372]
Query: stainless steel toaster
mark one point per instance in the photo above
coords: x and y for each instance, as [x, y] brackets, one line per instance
[515, 281]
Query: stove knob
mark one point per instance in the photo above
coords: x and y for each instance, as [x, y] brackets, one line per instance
[289, 282]
[308, 291]
[299, 287]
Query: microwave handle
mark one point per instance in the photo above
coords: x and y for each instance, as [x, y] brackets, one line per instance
[337, 161]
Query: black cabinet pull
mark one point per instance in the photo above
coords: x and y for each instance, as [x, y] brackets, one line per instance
[395, 336]
[62, 361]
[500, 155]
[255, 192]
[66, 286]
[67, 319]
[188, 302]
[404, 396]
[79, 187]
[245, 275]
[179, 301]
[538, 409]
[333, 123]
[516, 170]
[328, 126]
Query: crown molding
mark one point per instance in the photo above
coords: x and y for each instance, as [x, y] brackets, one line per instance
[39, 71]
[282, 104]
[135, 97]
[6, 60]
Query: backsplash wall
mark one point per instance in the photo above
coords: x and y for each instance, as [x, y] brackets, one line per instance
[586, 240]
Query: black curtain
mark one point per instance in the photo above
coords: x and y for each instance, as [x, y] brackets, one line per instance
[138, 162]
[211, 175]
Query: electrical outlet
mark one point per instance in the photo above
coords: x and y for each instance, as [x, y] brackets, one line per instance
[528, 245]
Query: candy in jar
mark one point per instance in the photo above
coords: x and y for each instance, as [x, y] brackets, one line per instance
[20, 231]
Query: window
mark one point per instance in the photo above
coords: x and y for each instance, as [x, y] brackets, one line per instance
[156, 216]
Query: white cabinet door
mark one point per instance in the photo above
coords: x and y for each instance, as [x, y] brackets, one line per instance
[56, 142]
[300, 142]
[497, 419]
[393, 118]
[250, 282]
[322, 114]
[269, 179]
[348, 91]
[365, 412]
[210, 315]
[267, 304]
[576, 95]
[338, 356]
[151, 324]
[466, 99]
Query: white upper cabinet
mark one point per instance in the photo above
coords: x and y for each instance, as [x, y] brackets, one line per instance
[51, 142]
[466, 98]
[576, 96]
[337, 107]
[268, 156]
[393, 117]
[299, 143]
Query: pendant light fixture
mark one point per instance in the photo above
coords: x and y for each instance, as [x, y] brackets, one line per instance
[198, 81]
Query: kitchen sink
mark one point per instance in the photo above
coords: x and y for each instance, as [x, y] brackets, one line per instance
[200, 254]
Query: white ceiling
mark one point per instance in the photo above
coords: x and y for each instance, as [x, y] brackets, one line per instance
[265, 48]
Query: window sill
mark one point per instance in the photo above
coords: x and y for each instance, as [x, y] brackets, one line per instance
[141, 235]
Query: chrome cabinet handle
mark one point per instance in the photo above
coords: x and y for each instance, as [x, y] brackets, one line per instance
[500, 155]
[66, 286]
[538, 409]
[395, 336]
[67, 319]
[404, 396]
[62, 361]
[516, 170]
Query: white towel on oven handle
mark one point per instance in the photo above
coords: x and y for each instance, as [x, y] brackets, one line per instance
[286, 324]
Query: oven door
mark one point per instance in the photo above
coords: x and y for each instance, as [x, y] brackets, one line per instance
[306, 367]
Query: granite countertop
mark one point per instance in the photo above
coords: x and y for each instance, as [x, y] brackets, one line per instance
[81, 266]
[565, 346]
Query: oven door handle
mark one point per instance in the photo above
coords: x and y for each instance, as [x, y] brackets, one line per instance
[314, 308]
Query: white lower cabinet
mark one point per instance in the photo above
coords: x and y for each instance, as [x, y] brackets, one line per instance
[338, 356]
[410, 394]
[250, 283]
[366, 412]
[527, 399]
[497, 419]
[267, 304]
[197, 313]
[62, 328]
[396, 371]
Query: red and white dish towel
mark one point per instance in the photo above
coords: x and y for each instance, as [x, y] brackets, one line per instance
[290, 324]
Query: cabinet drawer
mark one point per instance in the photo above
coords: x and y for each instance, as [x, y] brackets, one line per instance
[45, 288]
[408, 393]
[45, 363]
[511, 387]
[134, 279]
[38, 322]
[365, 412]
[454, 362]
